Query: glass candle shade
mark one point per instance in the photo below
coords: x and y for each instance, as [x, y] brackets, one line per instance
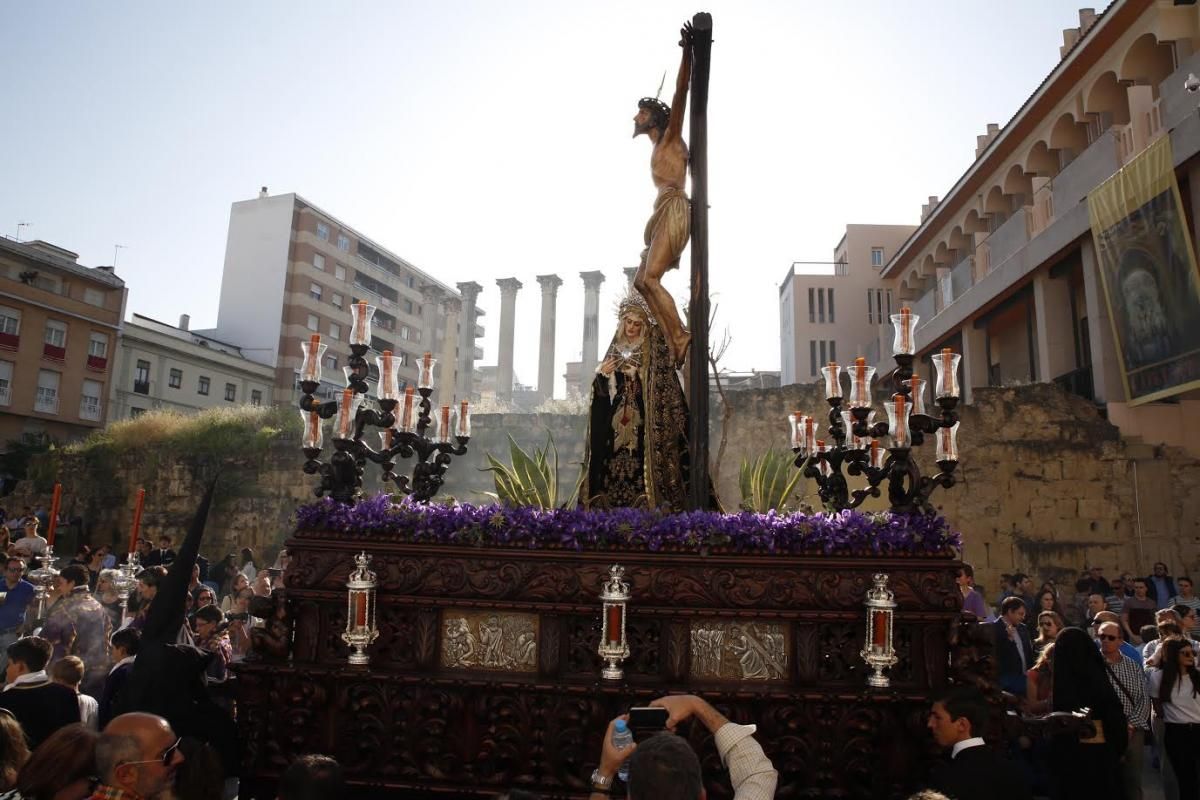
[406, 414]
[905, 324]
[917, 395]
[462, 425]
[833, 380]
[820, 450]
[361, 314]
[311, 438]
[947, 443]
[897, 410]
[860, 384]
[877, 454]
[864, 442]
[946, 364]
[796, 426]
[810, 434]
[314, 351]
[425, 376]
[442, 428]
[347, 411]
[385, 439]
[389, 376]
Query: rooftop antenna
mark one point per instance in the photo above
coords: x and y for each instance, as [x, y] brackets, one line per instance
[22, 225]
[116, 248]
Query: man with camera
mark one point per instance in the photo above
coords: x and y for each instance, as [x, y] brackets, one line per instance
[663, 766]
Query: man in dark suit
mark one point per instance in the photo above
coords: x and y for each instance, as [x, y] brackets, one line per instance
[163, 556]
[39, 704]
[975, 771]
[1014, 648]
[125, 644]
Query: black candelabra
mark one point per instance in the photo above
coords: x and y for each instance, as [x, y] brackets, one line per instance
[855, 436]
[404, 418]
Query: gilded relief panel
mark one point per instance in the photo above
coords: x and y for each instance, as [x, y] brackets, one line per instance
[505, 642]
[748, 651]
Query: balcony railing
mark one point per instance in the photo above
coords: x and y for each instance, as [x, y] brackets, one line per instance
[925, 307]
[89, 408]
[46, 403]
[5, 396]
[961, 277]
[141, 387]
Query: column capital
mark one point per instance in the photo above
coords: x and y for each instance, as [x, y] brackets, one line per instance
[549, 283]
[431, 292]
[592, 280]
[630, 272]
[508, 285]
[452, 305]
[470, 291]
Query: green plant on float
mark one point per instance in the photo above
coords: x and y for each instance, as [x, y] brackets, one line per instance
[528, 480]
[769, 482]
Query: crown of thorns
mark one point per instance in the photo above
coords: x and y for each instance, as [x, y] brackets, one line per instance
[657, 106]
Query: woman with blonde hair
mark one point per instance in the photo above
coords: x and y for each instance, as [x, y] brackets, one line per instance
[1050, 624]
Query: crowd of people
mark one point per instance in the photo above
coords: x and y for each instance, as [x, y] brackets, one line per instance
[74, 711]
[1123, 648]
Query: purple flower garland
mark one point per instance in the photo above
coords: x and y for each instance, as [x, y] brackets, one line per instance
[845, 533]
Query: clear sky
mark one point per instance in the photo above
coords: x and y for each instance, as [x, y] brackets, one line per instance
[484, 140]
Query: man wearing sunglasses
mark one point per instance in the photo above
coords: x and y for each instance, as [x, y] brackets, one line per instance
[1129, 682]
[137, 757]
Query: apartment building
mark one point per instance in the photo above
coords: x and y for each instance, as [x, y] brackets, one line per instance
[292, 270]
[1004, 267]
[828, 311]
[161, 366]
[59, 325]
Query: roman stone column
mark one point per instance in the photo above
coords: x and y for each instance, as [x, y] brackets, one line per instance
[545, 385]
[508, 313]
[447, 363]
[591, 325]
[630, 273]
[466, 339]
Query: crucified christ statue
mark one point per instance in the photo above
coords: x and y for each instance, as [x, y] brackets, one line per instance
[669, 225]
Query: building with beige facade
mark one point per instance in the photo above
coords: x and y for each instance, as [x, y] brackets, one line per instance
[1004, 268]
[827, 311]
[59, 325]
[292, 270]
[161, 366]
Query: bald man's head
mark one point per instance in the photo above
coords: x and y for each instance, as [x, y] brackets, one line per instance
[1107, 616]
[139, 753]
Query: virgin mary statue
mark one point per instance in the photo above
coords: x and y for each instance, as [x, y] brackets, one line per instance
[636, 446]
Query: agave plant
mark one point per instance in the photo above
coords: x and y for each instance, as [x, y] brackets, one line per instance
[529, 480]
[768, 483]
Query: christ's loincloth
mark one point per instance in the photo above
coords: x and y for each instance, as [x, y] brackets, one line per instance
[672, 219]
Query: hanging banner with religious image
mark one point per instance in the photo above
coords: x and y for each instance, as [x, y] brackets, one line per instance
[1148, 270]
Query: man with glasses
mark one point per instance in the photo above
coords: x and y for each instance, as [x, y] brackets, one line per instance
[1129, 682]
[17, 595]
[137, 757]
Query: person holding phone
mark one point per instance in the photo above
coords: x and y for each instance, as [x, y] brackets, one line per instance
[661, 763]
